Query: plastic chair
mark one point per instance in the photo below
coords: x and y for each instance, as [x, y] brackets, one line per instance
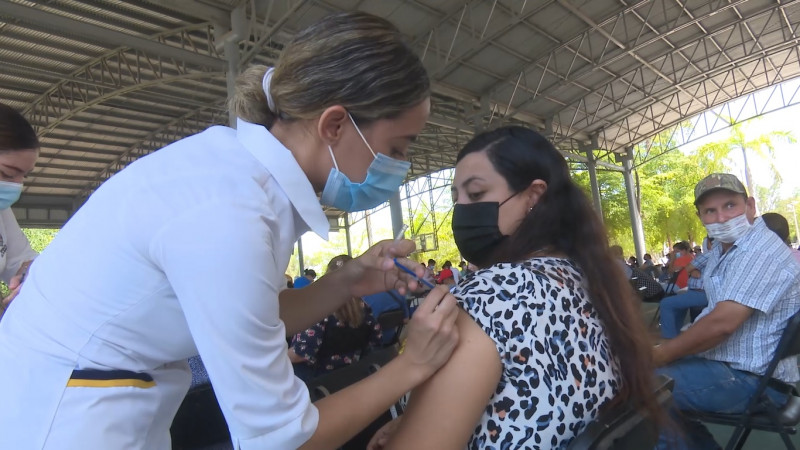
[393, 319]
[339, 379]
[668, 292]
[761, 413]
[622, 427]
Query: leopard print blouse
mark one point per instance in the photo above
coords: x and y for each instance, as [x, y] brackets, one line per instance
[558, 368]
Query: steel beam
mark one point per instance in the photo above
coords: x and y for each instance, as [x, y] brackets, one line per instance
[105, 36]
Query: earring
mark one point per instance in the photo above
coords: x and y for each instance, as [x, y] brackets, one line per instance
[530, 209]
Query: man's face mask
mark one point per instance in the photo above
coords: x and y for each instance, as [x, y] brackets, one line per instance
[729, 231]
[384, 177]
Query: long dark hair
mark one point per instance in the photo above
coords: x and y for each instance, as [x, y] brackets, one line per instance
[16, 133]
[564, 221]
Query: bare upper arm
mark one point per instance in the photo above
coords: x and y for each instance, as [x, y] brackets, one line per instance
[443, 411]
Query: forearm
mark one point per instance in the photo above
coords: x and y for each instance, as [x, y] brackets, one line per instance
[706, 334]
[350, 410]
[301, 308]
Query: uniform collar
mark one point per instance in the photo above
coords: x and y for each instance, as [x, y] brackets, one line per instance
[280, 163]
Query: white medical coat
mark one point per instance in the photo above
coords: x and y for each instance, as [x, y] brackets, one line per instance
[182, 252]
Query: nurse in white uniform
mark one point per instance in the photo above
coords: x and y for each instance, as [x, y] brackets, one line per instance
[19, 148]
[184, 252]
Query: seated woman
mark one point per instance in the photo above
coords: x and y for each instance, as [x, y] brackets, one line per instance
[338, 340]
[550, 331]
[446, 276]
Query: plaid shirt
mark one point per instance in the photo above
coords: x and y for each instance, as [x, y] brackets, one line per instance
[758, 271]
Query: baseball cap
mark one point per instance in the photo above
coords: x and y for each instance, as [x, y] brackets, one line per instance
[726, 181]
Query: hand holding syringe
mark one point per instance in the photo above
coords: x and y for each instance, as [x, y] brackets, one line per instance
[405, 269]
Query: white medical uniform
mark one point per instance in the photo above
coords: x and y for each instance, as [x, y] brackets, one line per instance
[14, 246]
[181, 253]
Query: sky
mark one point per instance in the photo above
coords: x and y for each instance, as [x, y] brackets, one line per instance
[787, 155]
[787, 161]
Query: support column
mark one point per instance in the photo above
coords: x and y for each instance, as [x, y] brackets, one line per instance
[396, 211]
[633, 206]
[591, 166]
[300, 263]
[232, 56]
[548, 129]
[230, 42]
[368, 224]
[347, 234]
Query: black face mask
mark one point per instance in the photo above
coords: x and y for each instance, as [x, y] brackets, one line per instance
[475, 229]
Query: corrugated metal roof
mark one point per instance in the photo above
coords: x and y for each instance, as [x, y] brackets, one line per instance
[614, 71]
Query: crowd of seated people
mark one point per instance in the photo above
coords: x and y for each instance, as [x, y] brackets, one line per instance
[338, 340]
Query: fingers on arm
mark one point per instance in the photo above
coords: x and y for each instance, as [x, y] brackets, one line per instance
[438, 300]
[455, 397]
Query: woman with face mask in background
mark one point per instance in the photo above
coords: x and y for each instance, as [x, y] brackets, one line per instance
[184, 252]
[19, 148]
[550, 331]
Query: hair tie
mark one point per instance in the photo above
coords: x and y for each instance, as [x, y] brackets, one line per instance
[265, 85]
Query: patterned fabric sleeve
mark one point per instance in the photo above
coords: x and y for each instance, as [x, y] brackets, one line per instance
[477, 298]
[759, 289]
[307, 343]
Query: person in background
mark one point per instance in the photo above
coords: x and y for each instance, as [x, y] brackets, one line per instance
[430, 271]
[649, 267]
[309, 275]
[462, 269]
[446, 275]
[693, 301]
[338, 340]
[619, 258]
[681, 258]
[753, 289]
[183, 252]
[550, 329]
[19, 148]
[289, 281]
[675, 308]
[778, 224]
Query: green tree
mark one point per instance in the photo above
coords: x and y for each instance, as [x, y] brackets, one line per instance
[40, 237]
[761, 146]
[665, 190]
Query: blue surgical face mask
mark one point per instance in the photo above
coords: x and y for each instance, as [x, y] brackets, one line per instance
[384, 177]
[9, 193]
